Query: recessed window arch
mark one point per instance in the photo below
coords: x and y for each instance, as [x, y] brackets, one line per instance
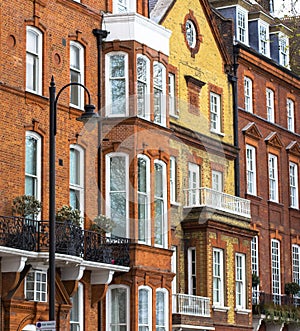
[33, 159]
[118, 308]
[77, 178]
[144, 224]
[160, 205]
[117, 184]
[143, 86]
[116, 67]
[144, 309]
[34, 56]
[76, 74]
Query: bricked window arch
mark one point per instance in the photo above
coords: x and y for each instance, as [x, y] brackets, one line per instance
[191, 31]
[34, 56]
[76, 74]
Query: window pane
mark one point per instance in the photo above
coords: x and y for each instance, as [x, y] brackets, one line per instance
[31, 156]
[118, 307]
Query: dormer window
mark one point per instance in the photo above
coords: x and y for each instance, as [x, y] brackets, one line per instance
[242, 26]
[283, 51]
[264, 39]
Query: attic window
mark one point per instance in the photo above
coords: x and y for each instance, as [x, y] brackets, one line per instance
[191, 32]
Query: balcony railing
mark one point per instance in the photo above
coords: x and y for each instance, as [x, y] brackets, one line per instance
[276, 305]
[32, 235]
[207, 197]
[191, 305]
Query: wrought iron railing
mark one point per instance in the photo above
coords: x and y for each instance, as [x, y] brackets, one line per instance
[207, 197]
[191, 305]
[33, 235]
[264, 302]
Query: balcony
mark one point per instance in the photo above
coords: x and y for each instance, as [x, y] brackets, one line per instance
[33, 236]
[276, 307]
[207, 197]
[191, 305]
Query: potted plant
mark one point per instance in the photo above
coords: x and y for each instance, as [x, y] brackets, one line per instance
[291, 288]
[255, 280]
[26, 206]
[102, 224]
[67, 213]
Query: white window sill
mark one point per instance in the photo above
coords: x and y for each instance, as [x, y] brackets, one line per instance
[175, 203]
[174, 116]
[218, 133]
[242, 311]
[223, 309]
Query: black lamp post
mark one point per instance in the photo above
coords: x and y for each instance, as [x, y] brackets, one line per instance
[88, 114]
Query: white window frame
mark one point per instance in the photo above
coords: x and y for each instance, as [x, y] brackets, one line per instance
[293, 175]
[218, 277]
[124, 6]
[37, 57]
[192, 271]
[255, 268]
[193, 184]
[77, 69]
[173, 179]
[240, 281]
[159, 116]
[79, 187]
[36, 177]
[146, 196]
[264, 40]
[174, 270]
[215, 112]
[172, 94]
[290, 106]
[109, 303]
[296, 264]
[108, 157]
[242, 25]
[146, 90]
[251, 169]
[270, 105]
[110, 105]
[275, 270]
[273, 177]
[248, 90]
[79, 298]
[165, 326]
[40, 287]
[217, 180]
[284, 57]
[145, 325]
[161, 227]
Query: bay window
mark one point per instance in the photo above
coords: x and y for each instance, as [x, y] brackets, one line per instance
[143, 86]
[159, 86]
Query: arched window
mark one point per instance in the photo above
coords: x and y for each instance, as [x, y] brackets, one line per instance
[76, 74]
[162, 310]
[144, 229]
[159, 93]
[33, 164]
[143, 86]
[34, 48]
[145, 311]
[118, 308]
[117, 192]
[116, 84]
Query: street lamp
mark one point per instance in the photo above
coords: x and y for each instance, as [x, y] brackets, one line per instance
[89, 113]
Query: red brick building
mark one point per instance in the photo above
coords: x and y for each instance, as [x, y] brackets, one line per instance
[268, 99]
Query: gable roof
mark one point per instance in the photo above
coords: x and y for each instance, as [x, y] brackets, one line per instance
[162, 8]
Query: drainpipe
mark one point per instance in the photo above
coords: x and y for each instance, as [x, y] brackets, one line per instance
[233, 79]
[100, 35]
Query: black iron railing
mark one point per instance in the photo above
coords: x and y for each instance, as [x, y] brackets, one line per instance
[32, 235]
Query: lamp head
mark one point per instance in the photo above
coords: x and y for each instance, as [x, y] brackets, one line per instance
[89, 114]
